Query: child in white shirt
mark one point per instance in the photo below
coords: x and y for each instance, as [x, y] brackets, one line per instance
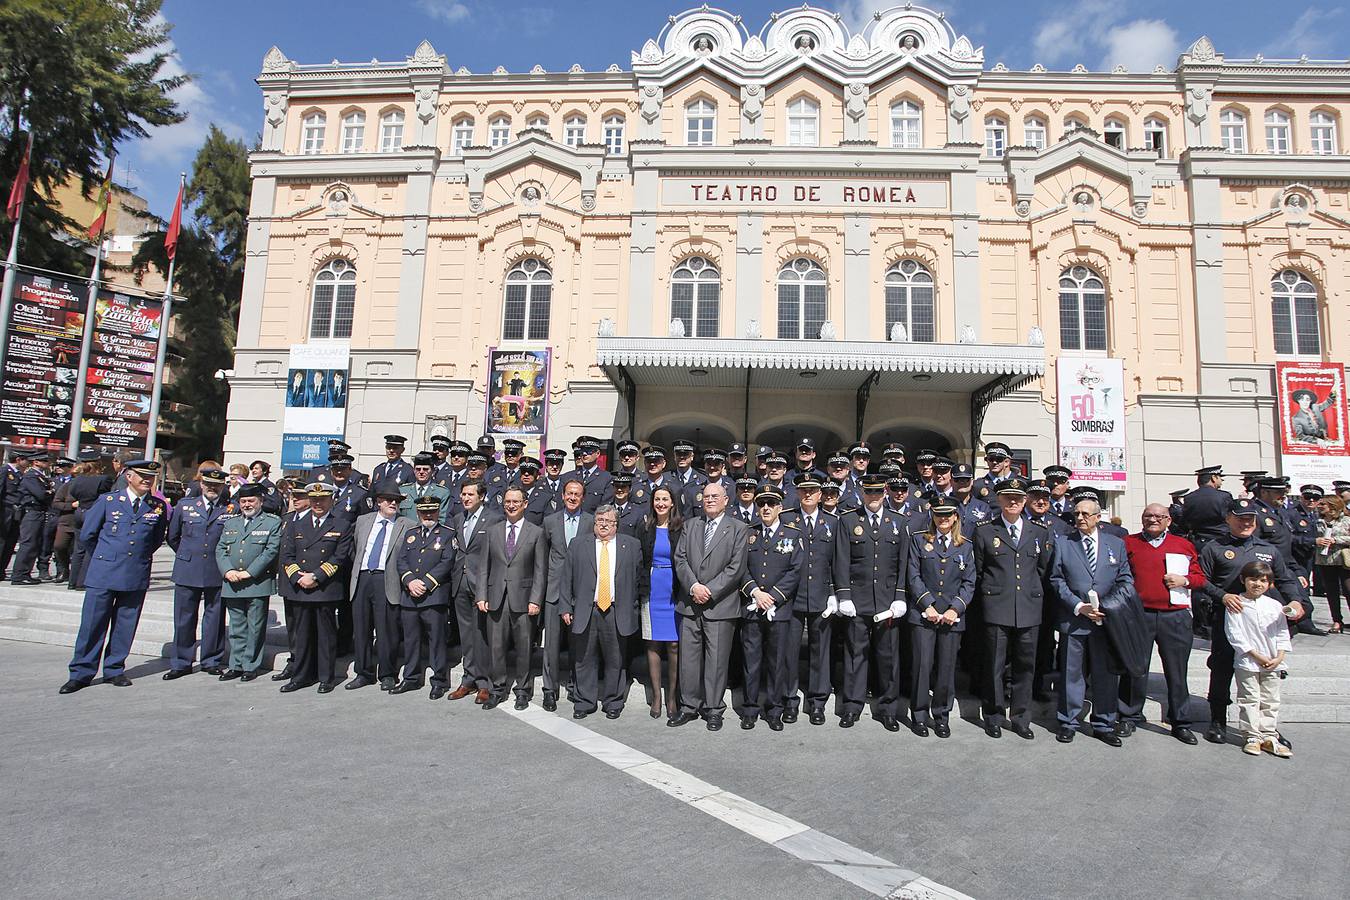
[1260, 640]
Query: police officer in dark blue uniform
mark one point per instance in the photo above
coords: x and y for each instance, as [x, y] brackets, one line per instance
[655, 474]
[194, 531]
[316, 550]
[973, 510]
[10, 477]
[772, 570]
[1293, 536]
[815, 595]
[395, 469]
[1038, 510]
[451, 473]
[998, 459]
[554, 460]
[597, 481]
[633, 517]
[425, 560]
[776, 478]
[804, 462]
[539, 501]
[122, 531]
[487, 445]
[1177, 511]
[1206, 507]
[629, 452]
[351, 498]
[507, 474]
[685, 473]
[941, 586]
[743, 504]
[34, 501]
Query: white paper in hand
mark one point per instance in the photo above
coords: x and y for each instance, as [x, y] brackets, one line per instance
[1178, 564]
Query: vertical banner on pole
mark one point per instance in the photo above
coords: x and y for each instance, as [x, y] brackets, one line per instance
[316, 403]
[1091, 414]
[517, 396]
[121, 375]
[1311, 410]
[42, 360]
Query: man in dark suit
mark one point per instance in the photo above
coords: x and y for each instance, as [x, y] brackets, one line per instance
[1013, 557]
[395, 469]
[34, 501]
[710, 569]
[772, 570]
[871, 556]
[194, 531]
[540, 502]
[560, 529]
[316, 553]
[1206, 509]
[597, 481]
[426, 557]
[374, 588]
[600, 587]
[1090, 570]
[815, 595]
[511, 573]
[470, 524]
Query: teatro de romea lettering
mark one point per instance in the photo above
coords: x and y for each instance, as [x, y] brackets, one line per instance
[763, 233]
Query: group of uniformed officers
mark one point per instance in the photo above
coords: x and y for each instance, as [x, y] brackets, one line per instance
[861, 578]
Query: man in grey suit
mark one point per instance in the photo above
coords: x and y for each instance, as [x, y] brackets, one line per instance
[1086, 561]
[600, 587]
[471, 524]
[560, 528]
[709, 569]
[375, 590]
[511, 572]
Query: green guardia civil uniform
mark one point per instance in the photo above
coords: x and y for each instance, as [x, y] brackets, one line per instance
[251, 544]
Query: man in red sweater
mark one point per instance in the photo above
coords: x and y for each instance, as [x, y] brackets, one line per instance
[1168, 622]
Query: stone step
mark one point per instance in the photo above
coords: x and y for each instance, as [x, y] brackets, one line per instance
[151, 645]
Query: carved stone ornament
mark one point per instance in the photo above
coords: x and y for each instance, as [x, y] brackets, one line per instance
[1023, 208]
[752, 331]
[1038, 68]
[967, 335]
[1202, 50]
[676, 329]
[1197, 104]
[999, 67]
[275, 108]
[857, 47]
[898, 333]
[704, 44]
[575, 69]
[426, 104]
[754, 48]
[752, 101]
[606, 328]
[651, 52]
[339, 202]
[588, 201]
[425, 54]
[276, 61]
[804, 43]
[1140, 210]
[855, 106]
[962, 49]
[1035, 337]
[827, 332]
[475, 203]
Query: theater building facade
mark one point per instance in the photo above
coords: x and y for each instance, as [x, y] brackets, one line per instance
[758, 234]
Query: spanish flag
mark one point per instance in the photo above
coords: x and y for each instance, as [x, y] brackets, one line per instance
[101, 204]
[20, 186]
[176, 223]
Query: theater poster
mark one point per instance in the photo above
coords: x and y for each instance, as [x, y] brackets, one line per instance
[316, 402]
[1311, 409]
[1091, 415]
[42, 360]
[121, 376]
[517, 395]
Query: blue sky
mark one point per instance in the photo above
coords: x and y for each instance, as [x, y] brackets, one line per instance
[223, 44]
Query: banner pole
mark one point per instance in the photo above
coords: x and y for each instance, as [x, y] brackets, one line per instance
[157, 391]
[86, 346]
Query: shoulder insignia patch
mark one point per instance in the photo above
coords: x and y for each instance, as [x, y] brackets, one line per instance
[858, 530]
[412, 538]
[753, 538]
[1229, 554]
[1270, 523]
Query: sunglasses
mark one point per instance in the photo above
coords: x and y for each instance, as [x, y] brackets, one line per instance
[763, 503]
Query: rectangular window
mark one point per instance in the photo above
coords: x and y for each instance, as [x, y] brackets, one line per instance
[1301, 334]
[539, 312]
[1323, 134]
[391, 134]
[995, 139]
[354, 134]
[333, 312]
[312, 141]
[1034, 134]
[614, 137]
[499, 135]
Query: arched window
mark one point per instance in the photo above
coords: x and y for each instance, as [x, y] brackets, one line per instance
[574, 131]
[354, 132]
[391, 131]
[1082, 310]
[614, 135]
[1293, 300]
[1155, 136]
[539, 122]
[499, 132]
[995, 137]
[700, 123]
[1277, 132]
[334, 301]
[461, 135]
[802, 299]
[529, 292]
[696, 297]
[315, 124]
[803, 123]
[907, 125]
[909, 300]
[1323, 133]
[1033, 132]
[1113, 132]
[1073, 121]
[1233, 131]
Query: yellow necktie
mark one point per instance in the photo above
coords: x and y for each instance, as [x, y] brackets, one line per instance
[602, 590]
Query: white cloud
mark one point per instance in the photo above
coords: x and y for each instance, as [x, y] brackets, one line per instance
[1312, 33]
[445, 10]
[1141, 45]
[1096, 32]
[857, 14]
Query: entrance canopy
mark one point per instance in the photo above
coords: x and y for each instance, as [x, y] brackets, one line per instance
[985, 372]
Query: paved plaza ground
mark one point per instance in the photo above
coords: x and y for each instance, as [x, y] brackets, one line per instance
[201, 789]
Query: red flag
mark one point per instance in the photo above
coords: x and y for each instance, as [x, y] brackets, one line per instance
[20, 188]
[101, 204]
[176, 223]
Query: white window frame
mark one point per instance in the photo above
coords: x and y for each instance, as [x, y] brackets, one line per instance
[337, 279]
[574, 131]
[704, 283]
[1081, 293]
[1073, 121]
[795, 275]
[535, 275]
[391, 131]
[1283, 297]
[803, 123]
[614, 135]
[903, 279]
[1322, 133]
[1233, 130]
[499, 132]
[995, 137]
[906, 125]
[700, 123]
[1117, 128]
[315, 127]
[354, 132]
[1035, 132]
[1279, 132]
[1155, 135]
[461, 135]
[537, 122]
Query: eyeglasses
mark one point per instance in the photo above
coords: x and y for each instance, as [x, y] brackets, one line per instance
[763, 504]
[1085, 515]
[1150, 516]
[606, 523]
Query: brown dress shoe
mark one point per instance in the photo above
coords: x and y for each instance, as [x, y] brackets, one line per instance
[481, 698]
[461, 692]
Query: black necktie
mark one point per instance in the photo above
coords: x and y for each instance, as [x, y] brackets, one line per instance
[136, 507]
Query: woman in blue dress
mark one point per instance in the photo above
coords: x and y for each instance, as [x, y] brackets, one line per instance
[660, 537]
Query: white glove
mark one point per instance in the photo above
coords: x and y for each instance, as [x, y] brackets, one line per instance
[831, 607]
[768, 613]
[846, 608]
[898, 609]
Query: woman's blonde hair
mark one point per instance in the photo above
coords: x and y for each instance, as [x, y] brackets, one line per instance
[958, 536]
[1334, 505]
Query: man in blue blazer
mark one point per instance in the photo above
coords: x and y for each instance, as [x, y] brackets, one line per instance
[1086, 561]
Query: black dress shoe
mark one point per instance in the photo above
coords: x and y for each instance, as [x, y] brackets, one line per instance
[890, 723]
[213, 670]
[816, 717]
[942, 729]
[230, 675]
[438, 692]
[491, 702]
[1066, 735]
[118, 681]
[919, 728]
[681, 718]
[26, 581]
[613, 713]
[775, 723]
[847, 720]
[1185, 735]
[715, 723]
[175, 674]
[283, 675]
[358, 682]
[72, 686]
[1125, 728]
[387, 684]
[550, 702]
[789, 716]
[1216, 733]
[1109, 738]
[291, 686]
[247, 676]
[405, 686]
[1022, 731]
[1042, 696]
[522, 703]
[993, 729]
[747, 722]
[327, 687]
[1306, 627]
[1284, 741]
[583, 713]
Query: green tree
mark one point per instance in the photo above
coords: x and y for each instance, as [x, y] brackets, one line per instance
[210, 276]
[83, 76]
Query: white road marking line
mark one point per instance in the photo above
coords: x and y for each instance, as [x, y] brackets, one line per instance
[873, 874]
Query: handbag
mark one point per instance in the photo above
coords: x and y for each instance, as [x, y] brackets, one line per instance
[1339, 558]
